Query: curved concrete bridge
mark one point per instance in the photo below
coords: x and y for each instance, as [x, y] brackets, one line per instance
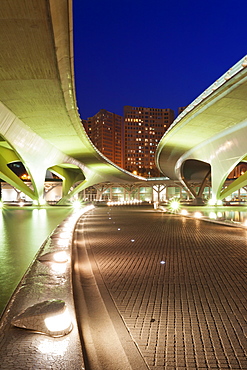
[209, 138]
[39, 121]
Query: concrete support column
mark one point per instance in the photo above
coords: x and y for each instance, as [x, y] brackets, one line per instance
[158, 189]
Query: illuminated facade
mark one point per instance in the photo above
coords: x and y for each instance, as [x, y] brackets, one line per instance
[143, 129]
[181, 109]
[105, 131]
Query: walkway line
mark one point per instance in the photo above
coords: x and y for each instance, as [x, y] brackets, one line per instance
[103, 340]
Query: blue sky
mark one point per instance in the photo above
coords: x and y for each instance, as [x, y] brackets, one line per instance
[159, 53]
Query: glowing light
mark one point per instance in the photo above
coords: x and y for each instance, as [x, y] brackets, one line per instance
[119, 228]
[35, 202]
[21, 204]
[197, 215]
[66, 227]
[219, 214]
[76, 204]
[212, 215]
[55, 348]
[184, 212]
[61, 242]
[58, 323]
[48, 317]
[58, 268]
[132, 240]
[65, 235]
[162, 262]
[219, 202]
[211, 202]
[42, 201]
[60, 257]
[25, 176]
[174, 205]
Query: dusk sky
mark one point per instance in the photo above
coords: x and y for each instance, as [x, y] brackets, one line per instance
[159, 54]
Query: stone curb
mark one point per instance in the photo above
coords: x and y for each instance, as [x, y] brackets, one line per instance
[44, 280]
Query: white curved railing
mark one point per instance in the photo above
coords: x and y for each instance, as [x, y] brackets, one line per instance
[240, 65]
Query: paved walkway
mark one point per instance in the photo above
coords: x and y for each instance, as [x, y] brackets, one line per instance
[178, 283]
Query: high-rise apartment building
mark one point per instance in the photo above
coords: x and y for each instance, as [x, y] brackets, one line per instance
[105, 130]
[181, 109]
[143, 129]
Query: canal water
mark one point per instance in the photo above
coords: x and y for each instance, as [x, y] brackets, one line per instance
[237, 215]
[22, 232]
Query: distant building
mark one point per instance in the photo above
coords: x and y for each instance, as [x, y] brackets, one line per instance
[105, 130]
[143, 129]
[238, 171]
[180, 109]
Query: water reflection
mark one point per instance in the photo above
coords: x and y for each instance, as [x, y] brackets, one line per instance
[231, 215]
[22, 232]
[236, 216]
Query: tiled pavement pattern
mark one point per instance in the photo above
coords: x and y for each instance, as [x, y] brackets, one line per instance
[186, 313]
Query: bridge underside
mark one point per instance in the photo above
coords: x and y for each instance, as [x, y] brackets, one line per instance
[39, 121]
[207, 141]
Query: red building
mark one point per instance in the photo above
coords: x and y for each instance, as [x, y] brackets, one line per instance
[143, 129]
[181, 109]
[105, 131]
[130, 141]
